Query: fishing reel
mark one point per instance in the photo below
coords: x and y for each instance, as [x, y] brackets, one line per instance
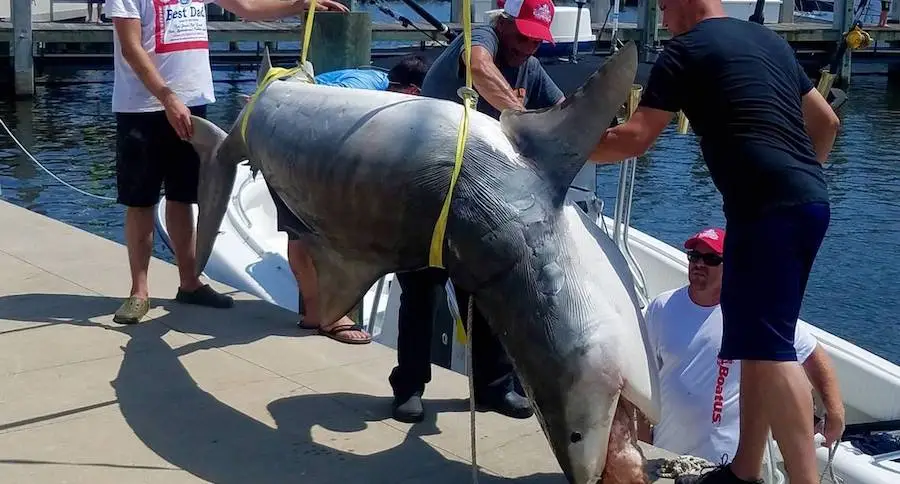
[857, 38]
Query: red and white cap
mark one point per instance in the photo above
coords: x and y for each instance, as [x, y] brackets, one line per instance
[533, 17]
[714, 238]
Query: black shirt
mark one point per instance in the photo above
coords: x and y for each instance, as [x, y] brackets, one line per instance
[740, 85]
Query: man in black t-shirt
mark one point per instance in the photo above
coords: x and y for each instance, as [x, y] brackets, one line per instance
[765, 133]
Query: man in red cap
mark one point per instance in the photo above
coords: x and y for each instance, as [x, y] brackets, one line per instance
[700, 392]
[506, 75]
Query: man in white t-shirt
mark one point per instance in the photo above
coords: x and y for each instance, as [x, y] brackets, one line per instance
[699, 392]
[162, 77]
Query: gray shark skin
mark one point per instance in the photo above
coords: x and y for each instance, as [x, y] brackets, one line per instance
[367, 171]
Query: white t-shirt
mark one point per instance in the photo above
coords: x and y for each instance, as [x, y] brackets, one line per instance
[174, 33]
[700, 412]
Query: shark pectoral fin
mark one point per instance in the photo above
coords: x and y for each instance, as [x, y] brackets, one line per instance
[639, 370]
[342, 282]
[559, 139]
[219, 155]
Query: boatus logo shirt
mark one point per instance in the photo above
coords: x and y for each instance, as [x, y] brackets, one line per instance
[174, 34]
[700, 413]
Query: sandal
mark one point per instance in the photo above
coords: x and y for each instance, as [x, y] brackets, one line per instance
[335, 333]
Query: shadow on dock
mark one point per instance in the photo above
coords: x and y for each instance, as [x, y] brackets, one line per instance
[195, 431]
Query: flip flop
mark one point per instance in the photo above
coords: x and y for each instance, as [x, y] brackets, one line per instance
[334, 334]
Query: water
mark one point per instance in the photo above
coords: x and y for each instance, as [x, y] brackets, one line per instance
[69, 128]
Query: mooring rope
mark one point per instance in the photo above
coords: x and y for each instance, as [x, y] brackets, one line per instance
[38, 163]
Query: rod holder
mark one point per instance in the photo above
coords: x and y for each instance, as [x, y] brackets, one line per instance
[634, 97]
[683, 123]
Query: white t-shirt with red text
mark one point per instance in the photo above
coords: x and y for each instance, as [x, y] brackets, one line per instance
[173, 33]
[700, 412]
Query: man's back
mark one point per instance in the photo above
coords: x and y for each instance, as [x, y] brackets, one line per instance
[740, 86]
[372, 79]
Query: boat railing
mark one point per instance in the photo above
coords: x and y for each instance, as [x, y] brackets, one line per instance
[621, 221]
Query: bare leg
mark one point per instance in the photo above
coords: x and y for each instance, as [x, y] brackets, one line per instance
[624, 459]
[181, 232]
[305, 272]
[788, 405]
[139, 241]
[747, 463]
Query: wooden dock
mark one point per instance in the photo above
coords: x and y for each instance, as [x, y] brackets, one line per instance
[205, 395]
[223, 31]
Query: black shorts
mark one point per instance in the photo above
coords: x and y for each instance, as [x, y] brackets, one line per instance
[767, 266]
[149, 154]
[286, 220]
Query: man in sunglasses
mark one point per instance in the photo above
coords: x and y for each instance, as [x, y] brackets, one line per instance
[700, 391]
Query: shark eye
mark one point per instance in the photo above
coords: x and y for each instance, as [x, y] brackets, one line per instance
[575, 437]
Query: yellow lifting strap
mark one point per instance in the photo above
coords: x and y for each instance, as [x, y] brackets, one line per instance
[470, 98]
[276, 73]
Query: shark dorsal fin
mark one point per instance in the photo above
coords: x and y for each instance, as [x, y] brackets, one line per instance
[559, 139]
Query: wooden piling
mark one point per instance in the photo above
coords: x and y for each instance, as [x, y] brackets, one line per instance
[340, 40]
[23, 64]
[843, 20]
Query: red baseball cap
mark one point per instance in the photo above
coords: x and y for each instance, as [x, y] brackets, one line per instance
[713, 238]
[533, 17]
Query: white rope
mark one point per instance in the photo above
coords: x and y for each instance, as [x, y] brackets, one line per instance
[469, 366]
[38, 163]
[829, 466]
[683, 465]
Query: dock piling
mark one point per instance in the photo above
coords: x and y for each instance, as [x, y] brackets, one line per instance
[23, 64]
[340, 40]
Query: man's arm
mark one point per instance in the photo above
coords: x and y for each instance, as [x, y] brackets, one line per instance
[632, 138]
[256, 10]
[490, 83]
[820, 372]
[129, 33]
[822, 123]
[662, 98]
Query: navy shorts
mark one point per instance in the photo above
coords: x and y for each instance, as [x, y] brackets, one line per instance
[766, 268]
[286, 221]
[150, 155]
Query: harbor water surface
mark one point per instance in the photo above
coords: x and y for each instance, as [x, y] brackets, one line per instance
[69, 127]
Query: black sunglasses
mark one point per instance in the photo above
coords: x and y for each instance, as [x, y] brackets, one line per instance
[708, 259]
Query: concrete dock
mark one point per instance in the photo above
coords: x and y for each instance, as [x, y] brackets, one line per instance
[205, 395]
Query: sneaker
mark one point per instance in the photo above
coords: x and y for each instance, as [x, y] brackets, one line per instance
[132, 310]
[719, 475]
[409, 410]
[204, 296]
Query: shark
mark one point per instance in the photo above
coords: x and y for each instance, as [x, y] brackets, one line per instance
[368, 173]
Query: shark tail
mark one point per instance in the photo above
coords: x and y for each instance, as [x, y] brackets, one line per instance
[219, 153]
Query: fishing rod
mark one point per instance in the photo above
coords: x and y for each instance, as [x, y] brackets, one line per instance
[439, 26]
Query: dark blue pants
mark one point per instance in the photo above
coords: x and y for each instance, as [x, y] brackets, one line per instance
[767, 266]
[422, 292]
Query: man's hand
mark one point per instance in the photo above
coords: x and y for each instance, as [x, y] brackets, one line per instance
[832, 428]
[179, 116]
[331, 5]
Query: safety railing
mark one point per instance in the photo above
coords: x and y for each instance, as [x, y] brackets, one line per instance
[622, 210]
